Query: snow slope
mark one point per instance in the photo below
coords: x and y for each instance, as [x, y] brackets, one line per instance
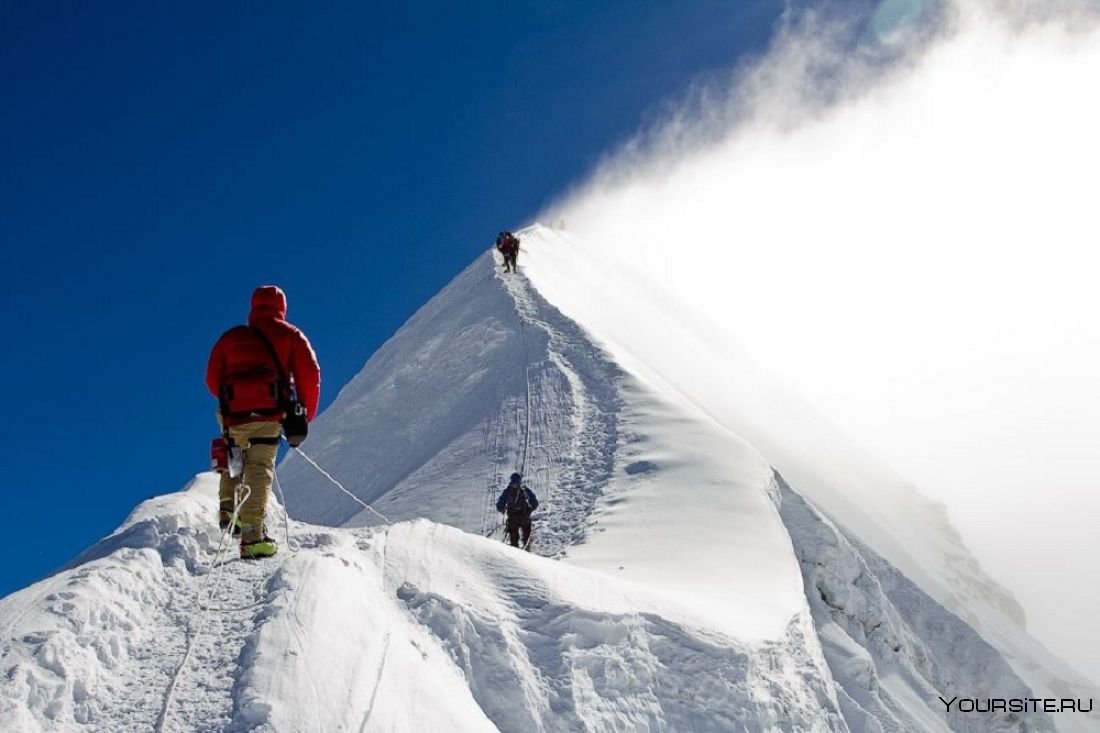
[682, 473]
[438, 418]
[633, 429]
[420, 626]
[411, 627]
[658, 337]
[715, 558]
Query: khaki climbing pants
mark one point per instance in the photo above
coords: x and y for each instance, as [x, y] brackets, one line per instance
[259, 443]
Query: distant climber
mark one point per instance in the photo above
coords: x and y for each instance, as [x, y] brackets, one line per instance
[508, 246]
[264, 374]
[517, 502]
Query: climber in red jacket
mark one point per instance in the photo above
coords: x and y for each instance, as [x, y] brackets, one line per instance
[508, 246]
[258, 372]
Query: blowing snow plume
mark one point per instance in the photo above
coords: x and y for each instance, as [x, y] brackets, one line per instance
[894, 213]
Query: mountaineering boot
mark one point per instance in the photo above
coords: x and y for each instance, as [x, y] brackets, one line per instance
[255, 543]
[265, 547]
[224, 517]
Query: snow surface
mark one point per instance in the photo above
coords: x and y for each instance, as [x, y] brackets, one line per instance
[709, 555]
[673, 348]
[412, 627]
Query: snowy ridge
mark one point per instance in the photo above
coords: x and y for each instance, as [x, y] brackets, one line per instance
[99, 647]
[673, 428]
[627, 475]
[686, 586]
[412, 627]
[651, 332]
[591, 653]
[648, 330]
[885, 638]
[485, 379]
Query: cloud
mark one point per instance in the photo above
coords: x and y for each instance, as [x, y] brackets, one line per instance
[896, 212]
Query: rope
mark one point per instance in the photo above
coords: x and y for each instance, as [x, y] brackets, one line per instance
[339, 485]
[213, 582]
[197, 625]
[488, 527]
[219, 566]
[527, 409]
[286, 514]
[527, 378]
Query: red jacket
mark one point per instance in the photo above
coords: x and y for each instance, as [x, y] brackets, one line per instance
[239, 349]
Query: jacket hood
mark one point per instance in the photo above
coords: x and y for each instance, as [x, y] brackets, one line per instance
[268, 303]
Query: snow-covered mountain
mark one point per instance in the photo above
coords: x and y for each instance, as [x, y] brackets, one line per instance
[710, 554]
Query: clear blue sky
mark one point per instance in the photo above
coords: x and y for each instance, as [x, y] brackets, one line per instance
[159, 160]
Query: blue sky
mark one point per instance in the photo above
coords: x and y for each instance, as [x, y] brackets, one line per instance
[161, 160]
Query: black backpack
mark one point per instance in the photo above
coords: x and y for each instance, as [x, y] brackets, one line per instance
[519, 504]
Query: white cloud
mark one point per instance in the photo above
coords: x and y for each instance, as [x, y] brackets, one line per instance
[907, 232]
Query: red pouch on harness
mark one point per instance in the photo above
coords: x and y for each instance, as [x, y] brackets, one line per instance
[219, 455]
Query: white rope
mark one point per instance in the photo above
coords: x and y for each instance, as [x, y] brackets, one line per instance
[339, 485]
[219, 565]
[286, 514]
[527, 411]
[195, 625]
[527, 378]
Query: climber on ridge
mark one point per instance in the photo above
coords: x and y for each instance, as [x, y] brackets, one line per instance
[518, 502]
[508, 245]
[265, 376]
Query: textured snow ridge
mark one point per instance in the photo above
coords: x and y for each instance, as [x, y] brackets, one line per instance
[664, 339]
[484, 380]
[553, 648]
[413, 627]
[651, 438]
[97, 646]
[572, 432]
[688, 587]
[690, 356]
[892, 649]
[630, 477]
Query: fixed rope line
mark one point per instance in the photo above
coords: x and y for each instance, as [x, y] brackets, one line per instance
[527, 378]
[219, 567]
[195, 626]
[282, 500]
[339, 485]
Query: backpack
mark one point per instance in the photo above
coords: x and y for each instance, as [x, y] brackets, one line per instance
[255, 384]
[519, 504]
